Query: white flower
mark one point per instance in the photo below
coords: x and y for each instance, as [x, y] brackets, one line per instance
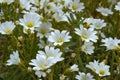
[88, 21]
[30, 21]
[117, 7]
[41, 43]
[111, 43]
[50, 52]
[112, 1]
[68, 16]
[102, 34]
[86, 34]
[59, 37]
[50, 7]
[83, 76]
[14, 59]
[33, 9]
[41, 62]
[74, 68]
[65, 3]
[44, 29]
[25, 4]
[102, 69]
[98, 24]
[44, 60]
[7, 27]
[76, 5]
[42, 73]
[93, 65]
[61, 16]
[88, 48]
[104, 11]
[6, 1]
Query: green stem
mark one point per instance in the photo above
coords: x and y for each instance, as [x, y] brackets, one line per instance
[112, 62]
[50, 77]
[34, 78]
[98, 78]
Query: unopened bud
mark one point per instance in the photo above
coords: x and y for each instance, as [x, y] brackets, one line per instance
[29, 69]
[73, 55]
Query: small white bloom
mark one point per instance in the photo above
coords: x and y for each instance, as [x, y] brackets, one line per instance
[93, 65]
[65, 3]
[68, 16]
[61, 16]
[111, 43]
[7, 27]
[44, 29]
[112, 1]
[41, 43]
[44, 60]
[102, 69]
[41, 62]
[117, 7]
[102, 34]
[76, 5]
[30, 21]
[88, 48]
[74, 68]
[25, 4]
[53, 53]
[104, 11]
[88, 21]
[33, 9]
[7, 1]
[83, 76]
[86, 34]
[59, 37]
[50, 7]
[42, 73]
[98, 24]
[14, 59]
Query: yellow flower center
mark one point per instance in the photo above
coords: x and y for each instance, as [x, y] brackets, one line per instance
[84, 36]
[102, 72]
[74, 7]
[62, 2]
[8, 30]
[86, 25]
[60, 40]
[43, 31]
[30, 24]
[48, 6]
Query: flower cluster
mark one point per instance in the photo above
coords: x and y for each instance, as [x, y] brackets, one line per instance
[44, 60]
[100, 68]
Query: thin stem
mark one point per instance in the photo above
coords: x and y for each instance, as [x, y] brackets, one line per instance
[50, 77]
